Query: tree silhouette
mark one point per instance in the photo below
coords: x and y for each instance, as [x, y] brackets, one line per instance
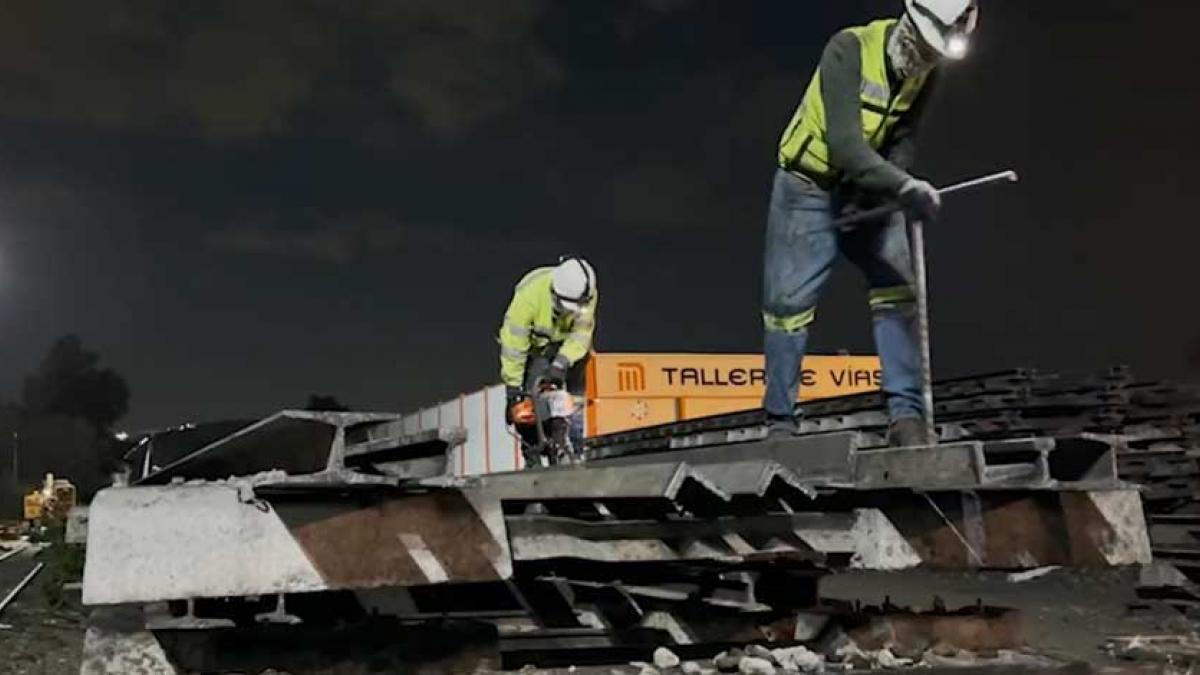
[63, 425]
[69, 382]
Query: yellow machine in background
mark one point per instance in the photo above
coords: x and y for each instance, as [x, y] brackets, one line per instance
[33, 506]
[51, 503]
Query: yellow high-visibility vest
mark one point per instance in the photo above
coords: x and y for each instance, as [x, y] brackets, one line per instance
[804, 147]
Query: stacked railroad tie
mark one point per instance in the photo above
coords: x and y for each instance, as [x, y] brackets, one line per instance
[1153, 426]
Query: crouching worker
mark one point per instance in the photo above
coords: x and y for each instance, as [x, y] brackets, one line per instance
[545, 342]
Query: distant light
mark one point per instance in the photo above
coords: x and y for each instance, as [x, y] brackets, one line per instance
[956, 46]
[122, 436]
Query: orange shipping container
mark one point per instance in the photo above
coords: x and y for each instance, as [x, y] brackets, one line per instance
[608, 416]
[691, 408]
[724, 376]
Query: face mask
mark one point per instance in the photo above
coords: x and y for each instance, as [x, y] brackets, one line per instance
[907, 52]
[562, 311]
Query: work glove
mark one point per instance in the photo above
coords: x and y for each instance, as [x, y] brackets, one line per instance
[920, 200]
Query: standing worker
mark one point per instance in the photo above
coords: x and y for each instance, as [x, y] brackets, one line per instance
[547, 333]
[849, 146]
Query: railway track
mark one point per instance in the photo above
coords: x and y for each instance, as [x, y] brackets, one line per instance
[18, 568]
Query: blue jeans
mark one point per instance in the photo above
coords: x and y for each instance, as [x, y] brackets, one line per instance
[801, 247]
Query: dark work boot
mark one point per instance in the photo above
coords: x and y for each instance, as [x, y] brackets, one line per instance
[907, 432]
[778, 427]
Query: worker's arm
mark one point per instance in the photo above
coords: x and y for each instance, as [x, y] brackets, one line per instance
[579, 342]
[841, 82]
[902, 149]
[514, 340]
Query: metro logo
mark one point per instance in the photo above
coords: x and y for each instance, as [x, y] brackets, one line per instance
[631, 377]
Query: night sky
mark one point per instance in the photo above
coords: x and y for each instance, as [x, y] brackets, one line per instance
[242, 203]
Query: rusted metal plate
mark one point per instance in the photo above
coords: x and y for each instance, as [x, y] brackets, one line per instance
[421, 539]
[1011, 531]
[1025, 532]
[973, 631]
[1023, 529]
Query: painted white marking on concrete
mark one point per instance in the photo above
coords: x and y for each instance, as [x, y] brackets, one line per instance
[879, 545]
[425, 559]
[189, 541]
[1130, 541]
[738, 544]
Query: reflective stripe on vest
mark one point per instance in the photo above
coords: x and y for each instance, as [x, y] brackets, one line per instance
[804, 147]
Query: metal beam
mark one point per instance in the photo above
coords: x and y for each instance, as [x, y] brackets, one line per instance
[674, 481]
[293, 441]
[756, 478]
[947, 466]
[824, 456]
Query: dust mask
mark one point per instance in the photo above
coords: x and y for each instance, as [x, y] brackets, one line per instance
[907, 54]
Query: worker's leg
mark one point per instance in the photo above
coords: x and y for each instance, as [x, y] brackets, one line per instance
[800, 249]
[881, 251]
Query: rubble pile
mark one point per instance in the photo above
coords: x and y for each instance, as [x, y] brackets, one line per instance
[758, 659]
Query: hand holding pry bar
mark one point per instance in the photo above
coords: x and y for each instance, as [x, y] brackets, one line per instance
[890, 207]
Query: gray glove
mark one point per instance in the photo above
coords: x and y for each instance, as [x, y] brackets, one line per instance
[920, 200]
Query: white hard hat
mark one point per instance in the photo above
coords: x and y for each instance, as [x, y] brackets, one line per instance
[945, 25]
[573, 283]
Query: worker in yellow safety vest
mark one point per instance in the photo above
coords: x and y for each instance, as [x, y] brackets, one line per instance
[849, 146]
[547, 333]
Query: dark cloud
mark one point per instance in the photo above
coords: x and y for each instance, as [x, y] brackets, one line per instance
[231, 69]
[457, 63]
[353, 237]
[668, 5]
[242, 71]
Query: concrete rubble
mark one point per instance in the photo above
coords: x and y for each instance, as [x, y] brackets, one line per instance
[754, 665]
[665, 658]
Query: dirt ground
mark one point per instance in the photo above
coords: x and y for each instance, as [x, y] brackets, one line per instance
[41, 631]
[1066, 615]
